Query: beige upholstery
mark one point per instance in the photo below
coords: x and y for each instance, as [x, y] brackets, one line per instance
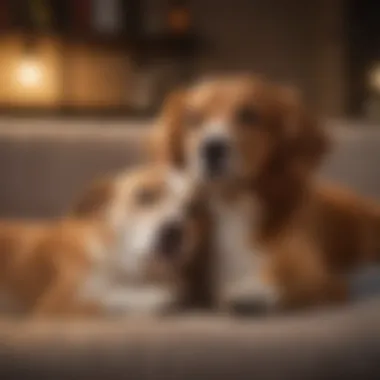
[45, 164]
[329, 346]
[44, 167]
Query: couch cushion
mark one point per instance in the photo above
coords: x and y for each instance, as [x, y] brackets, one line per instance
[355, 158]
[45, 166]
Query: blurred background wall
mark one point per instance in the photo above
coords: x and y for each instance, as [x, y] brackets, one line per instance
[123, 56]
[299, 42]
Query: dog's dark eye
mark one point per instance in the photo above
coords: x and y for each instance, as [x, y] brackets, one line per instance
[246, 116]
[146, 197]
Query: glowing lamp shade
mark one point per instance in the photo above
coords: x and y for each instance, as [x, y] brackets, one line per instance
[29, 73]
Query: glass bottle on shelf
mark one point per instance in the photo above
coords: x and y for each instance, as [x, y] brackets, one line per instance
[179, 18]
[107, 16]
[372, 104]
[4, 15]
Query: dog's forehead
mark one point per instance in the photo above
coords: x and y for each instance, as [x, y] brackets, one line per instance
[144, 177]
[179, 183]
[229, 91]
[163, 179]
[138, 179]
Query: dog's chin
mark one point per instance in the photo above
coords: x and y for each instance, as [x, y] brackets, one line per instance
[217, 184]
[219, 181]
[163, 269]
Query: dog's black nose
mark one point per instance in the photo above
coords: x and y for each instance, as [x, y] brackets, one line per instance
[215, 156]
[170, 239]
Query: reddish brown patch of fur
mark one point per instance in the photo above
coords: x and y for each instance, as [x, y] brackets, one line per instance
[42, 265]
[95, 199]
[311, 233]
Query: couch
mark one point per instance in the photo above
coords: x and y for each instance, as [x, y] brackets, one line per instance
[44, 164]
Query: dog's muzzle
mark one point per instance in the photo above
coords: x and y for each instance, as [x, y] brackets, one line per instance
[170, 240]
[215, 156]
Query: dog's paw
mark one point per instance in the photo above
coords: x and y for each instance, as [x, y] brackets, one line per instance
[252, 298]
[140, 301]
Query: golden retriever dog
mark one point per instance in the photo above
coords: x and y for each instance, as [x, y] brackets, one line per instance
[282, 238]
[121, 250]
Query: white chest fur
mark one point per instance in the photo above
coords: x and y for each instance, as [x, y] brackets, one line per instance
[97, 282]
[239, 260]
[112, 266]
[111, 284]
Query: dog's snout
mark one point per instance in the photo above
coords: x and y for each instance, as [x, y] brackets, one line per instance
[215, 155]
[215, 150]
[170, 239]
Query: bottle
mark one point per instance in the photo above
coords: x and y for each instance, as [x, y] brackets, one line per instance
[4, 15]
[179, 17]
[107, 16]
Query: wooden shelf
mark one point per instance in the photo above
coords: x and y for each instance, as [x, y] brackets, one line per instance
[146, 46]
[77, 112]
[70, 40]
[168, 45]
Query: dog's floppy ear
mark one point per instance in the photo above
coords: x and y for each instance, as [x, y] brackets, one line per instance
[94, 199]
[168, 133]
[307, 141]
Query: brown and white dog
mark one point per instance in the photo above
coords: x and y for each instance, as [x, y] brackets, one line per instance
[282, 238]
[122, 250]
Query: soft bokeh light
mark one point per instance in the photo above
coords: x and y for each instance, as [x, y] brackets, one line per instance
[374, 77]
[29, 73]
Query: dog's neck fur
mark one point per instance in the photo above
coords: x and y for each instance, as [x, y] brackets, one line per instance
[236, 215]
[246, 217]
